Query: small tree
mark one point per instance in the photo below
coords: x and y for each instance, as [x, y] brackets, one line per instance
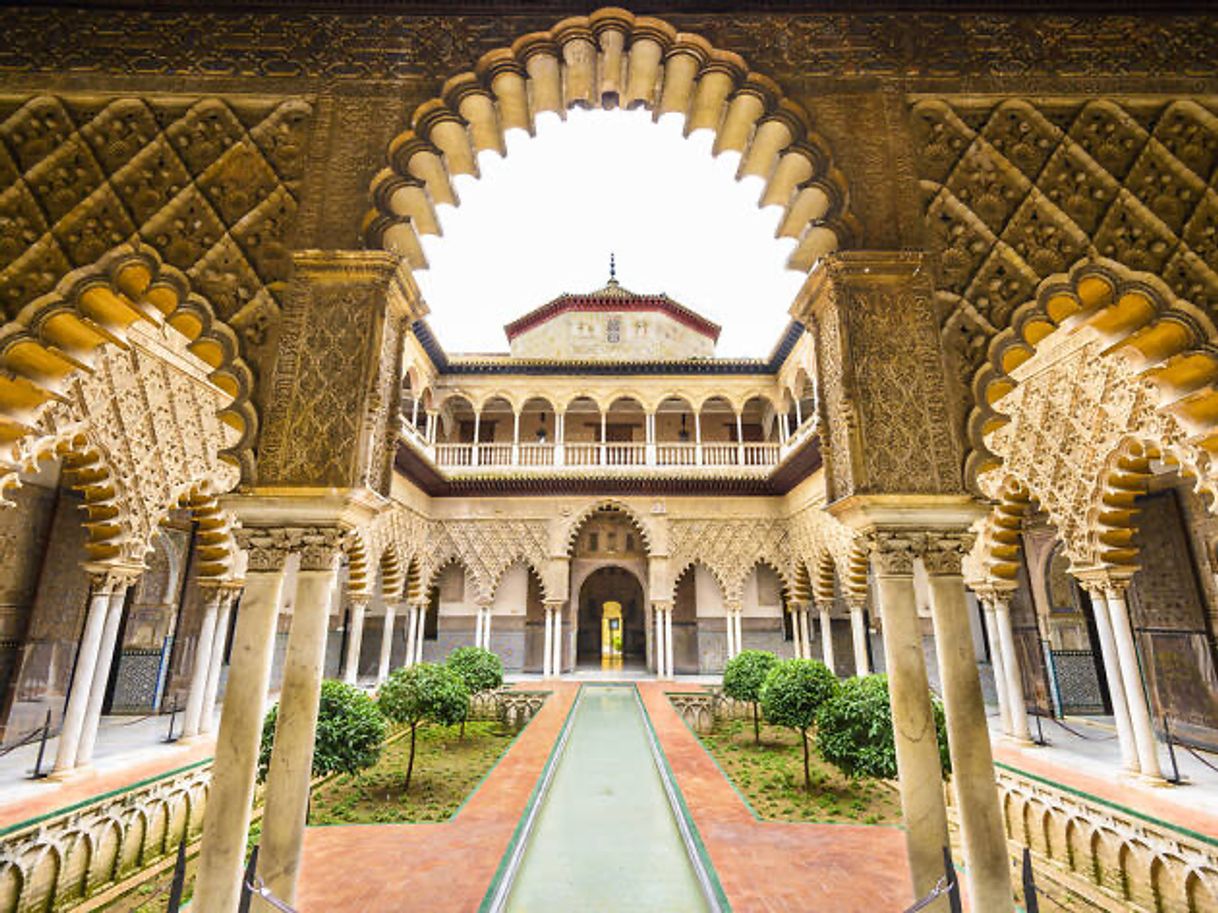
[854, 730]
[425, 692]
[742, 680]
[350, 732]
[793, 692]
[479, 669]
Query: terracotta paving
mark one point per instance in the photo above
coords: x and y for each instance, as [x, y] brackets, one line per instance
[763, 866]
[1123, 790]
[773, 866]
[91, 783]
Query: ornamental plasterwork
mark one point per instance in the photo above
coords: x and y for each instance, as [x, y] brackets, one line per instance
[486, 548]
[1073, 414]
[211, 184]
[730, 549]
[1020, 191]
[150, 414]
[816, 535]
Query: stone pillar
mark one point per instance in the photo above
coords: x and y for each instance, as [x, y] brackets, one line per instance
[382, 668]
[738, 621]
[997, 662]
[858, 636]
[730, 629]
[226, 824]
[420, 633]
[670, 666]
[101, 670]
[826, 635]
[228, 595]
[355, 638]
[558, 651]
[192, 719]
[547, 655]
[1112, 675]
[1013, 679]
[986, 861]
[291, 768]
[1131, 676]
[920, 775]
[661, 652]
[486, 627]
[412, 632]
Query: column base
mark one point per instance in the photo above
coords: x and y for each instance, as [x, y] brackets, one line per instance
[71, 774]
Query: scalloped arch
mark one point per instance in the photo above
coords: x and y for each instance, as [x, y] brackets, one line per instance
[609, 58]
[58, 335]
[578, 520]
[1173, 341]
[523, 560]
[716, 575]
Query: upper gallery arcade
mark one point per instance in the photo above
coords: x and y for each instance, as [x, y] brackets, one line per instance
[234, 457]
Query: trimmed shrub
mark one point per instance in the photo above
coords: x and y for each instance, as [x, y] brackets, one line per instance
[350, 731]
[479, 669]
[854, 730]
[794, 690]
[423, 693]
[742, 680]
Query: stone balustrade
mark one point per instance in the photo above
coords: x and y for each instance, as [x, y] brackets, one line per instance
[546, 458]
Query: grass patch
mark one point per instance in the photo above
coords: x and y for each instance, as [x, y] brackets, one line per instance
[446, 770]
[771, 777]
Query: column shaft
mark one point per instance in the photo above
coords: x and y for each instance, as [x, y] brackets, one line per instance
[981, 829]
[670, 669]
[226, 824]
[826, 644]
[1116, 686]
[486, 628]
[997, 663]
[1016, 705]
[920, 774]
[291, 769]
[82, 678]
[1135, 691]
[660, 651]
[738, 615]
[858, 635]
[207, 718]
[382, 669]
[101, 675]
[557, 661]
[730, 628]
[191, 720]
[412, 631]
[355, 639]
[420, 632]
[547, 655]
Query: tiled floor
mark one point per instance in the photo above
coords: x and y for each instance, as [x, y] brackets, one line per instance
[763, 866]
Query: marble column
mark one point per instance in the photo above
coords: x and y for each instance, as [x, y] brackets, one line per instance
[920, 775]
[661, 651]
[997, 664]
[1112, 676]
[826, 634]
[738, 623]
[382, 668]
[101, 671]
[558, 650]
[986, 861]
[420, 633]
[412, 633]
[547, 654]
[486, 627]
[210, 594]
[670, 666]
[355, 638]
[730, 631]
[226, 824]
[229, 595]
[291, 767]
[1013, 679]
[1131, 676]
[858, 637]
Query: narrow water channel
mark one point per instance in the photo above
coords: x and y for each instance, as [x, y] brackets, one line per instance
[605, 836]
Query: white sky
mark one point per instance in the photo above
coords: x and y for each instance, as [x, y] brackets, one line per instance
[543, 221]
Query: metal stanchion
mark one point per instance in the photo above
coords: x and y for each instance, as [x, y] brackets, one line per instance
[953, 884]
[173, 715]
[37, 772]
[179, 879]
[247, 881]
[1171, 753]
[1030, 902]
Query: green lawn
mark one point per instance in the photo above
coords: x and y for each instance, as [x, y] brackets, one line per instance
[771, 777]
[446, 770]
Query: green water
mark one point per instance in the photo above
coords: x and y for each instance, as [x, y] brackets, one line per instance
[605, 838]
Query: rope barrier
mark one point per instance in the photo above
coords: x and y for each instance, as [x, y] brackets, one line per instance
[942, 886]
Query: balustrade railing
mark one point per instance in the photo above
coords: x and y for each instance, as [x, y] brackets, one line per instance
[596, 453]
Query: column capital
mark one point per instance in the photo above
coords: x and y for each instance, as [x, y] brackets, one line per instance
[269, 547]
[943, 552]
[893, 551]
[554, 604]
[1104, 580]
[662, 605]
[359, 600]
[111, 578]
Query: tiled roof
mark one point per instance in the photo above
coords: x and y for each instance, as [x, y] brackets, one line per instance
[613, 298]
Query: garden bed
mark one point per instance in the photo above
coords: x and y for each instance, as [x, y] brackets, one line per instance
[771, 778]
[447, 769]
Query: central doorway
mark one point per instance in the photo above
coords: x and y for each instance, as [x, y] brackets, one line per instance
[612, 626]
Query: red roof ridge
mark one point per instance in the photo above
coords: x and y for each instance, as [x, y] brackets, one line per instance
[613, 297]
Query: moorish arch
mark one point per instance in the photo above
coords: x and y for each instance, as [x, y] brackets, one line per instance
[569, 528]
[601, 61]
